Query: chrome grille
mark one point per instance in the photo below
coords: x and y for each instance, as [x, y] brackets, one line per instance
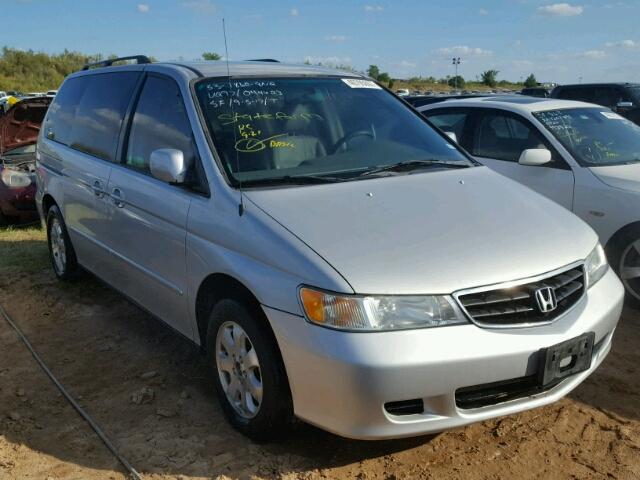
[516, 304]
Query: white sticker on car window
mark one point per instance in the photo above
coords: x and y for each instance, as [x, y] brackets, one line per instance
[612, 116]
[356, 83]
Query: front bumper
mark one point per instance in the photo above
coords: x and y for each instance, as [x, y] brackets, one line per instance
[341, 381]
[18, 204]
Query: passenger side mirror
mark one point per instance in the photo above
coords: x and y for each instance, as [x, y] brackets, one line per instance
[452, 136]
[168, 165]
[624, 105]
[534, 157]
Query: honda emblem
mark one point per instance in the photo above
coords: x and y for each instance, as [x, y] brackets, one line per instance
[546, 299]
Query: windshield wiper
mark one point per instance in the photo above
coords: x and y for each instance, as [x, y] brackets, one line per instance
[289, 180]
[409, 165]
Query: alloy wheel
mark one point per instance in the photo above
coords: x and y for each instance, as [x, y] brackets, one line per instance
[58, 247]
[630, 268]
[239, 369]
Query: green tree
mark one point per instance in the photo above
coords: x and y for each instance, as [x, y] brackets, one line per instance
[490, 78]
[384, 78]
[456, 82]
[391, 83]
[373, 71]
[211, 56]
[531, 81]
[26, 70]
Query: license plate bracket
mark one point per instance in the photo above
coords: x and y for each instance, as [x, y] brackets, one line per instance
[564, 359]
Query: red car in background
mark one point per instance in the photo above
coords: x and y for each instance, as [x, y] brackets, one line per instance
[19, 128]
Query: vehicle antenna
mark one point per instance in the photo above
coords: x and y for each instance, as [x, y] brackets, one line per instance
[233, 115]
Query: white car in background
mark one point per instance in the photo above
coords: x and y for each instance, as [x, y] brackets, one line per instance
[582, 156]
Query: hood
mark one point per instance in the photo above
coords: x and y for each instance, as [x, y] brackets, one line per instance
[21, 124]
[626, 177]
[433, 232]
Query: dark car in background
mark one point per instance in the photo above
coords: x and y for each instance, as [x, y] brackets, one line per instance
[622, 98]
[540, 92]
[19, 129]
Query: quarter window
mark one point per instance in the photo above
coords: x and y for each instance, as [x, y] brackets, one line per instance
[160, 121]
[503, 137]
[449, 122]
[62, 112]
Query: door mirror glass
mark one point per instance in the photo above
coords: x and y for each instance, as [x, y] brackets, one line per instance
[452, 136]
[624, 105]
[534, 157]
[168, 165]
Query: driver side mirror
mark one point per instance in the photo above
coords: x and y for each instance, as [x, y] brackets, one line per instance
[534, 157]
[168, 165]
[452, 136]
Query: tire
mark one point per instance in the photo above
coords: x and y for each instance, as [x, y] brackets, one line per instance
[624, 255]
[61, 252]
[3, 221]
[256, 400]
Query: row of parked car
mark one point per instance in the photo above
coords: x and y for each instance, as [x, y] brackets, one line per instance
[339, 256]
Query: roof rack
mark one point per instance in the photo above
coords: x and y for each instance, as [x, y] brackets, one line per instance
[140, 59]
[263, 60]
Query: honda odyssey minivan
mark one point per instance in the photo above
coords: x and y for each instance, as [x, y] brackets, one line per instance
[336, 257]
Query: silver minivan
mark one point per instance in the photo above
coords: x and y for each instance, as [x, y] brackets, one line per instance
[336, 258]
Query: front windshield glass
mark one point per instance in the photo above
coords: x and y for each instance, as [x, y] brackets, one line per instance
[594, 136]
[272, 128]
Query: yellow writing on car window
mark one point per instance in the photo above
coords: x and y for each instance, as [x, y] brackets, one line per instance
[231, 118]
[254, 144]
[246, 130]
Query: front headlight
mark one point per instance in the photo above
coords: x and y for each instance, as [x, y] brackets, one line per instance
[596, 265]
[378, 313]
[14, 179]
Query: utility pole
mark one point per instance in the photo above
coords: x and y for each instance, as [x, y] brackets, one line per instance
[456, 62]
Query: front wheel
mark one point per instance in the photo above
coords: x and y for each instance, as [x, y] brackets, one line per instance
[625, 259]
[61, 252]
[247, 370]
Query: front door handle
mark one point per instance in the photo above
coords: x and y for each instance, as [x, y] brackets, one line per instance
[97, 188]
[118, 197]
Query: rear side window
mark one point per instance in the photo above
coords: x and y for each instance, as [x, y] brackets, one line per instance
[160, 121]
[87, 112]
[606, 96]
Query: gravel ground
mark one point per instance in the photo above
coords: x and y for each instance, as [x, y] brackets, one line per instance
[148, 389]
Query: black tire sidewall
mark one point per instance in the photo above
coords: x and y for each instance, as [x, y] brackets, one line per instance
[71, 262]
[275, 410]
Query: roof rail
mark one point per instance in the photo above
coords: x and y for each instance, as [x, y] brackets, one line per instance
[107, 63]
[263, 60]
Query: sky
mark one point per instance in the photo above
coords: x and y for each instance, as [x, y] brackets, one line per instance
[557, 41]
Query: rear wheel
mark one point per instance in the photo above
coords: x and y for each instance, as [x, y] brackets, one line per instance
[247, 371]
[61, 252]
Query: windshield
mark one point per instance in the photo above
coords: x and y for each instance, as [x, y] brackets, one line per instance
[269, 129]
[594, 136]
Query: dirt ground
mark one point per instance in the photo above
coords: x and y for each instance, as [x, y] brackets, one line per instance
[148, 389]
